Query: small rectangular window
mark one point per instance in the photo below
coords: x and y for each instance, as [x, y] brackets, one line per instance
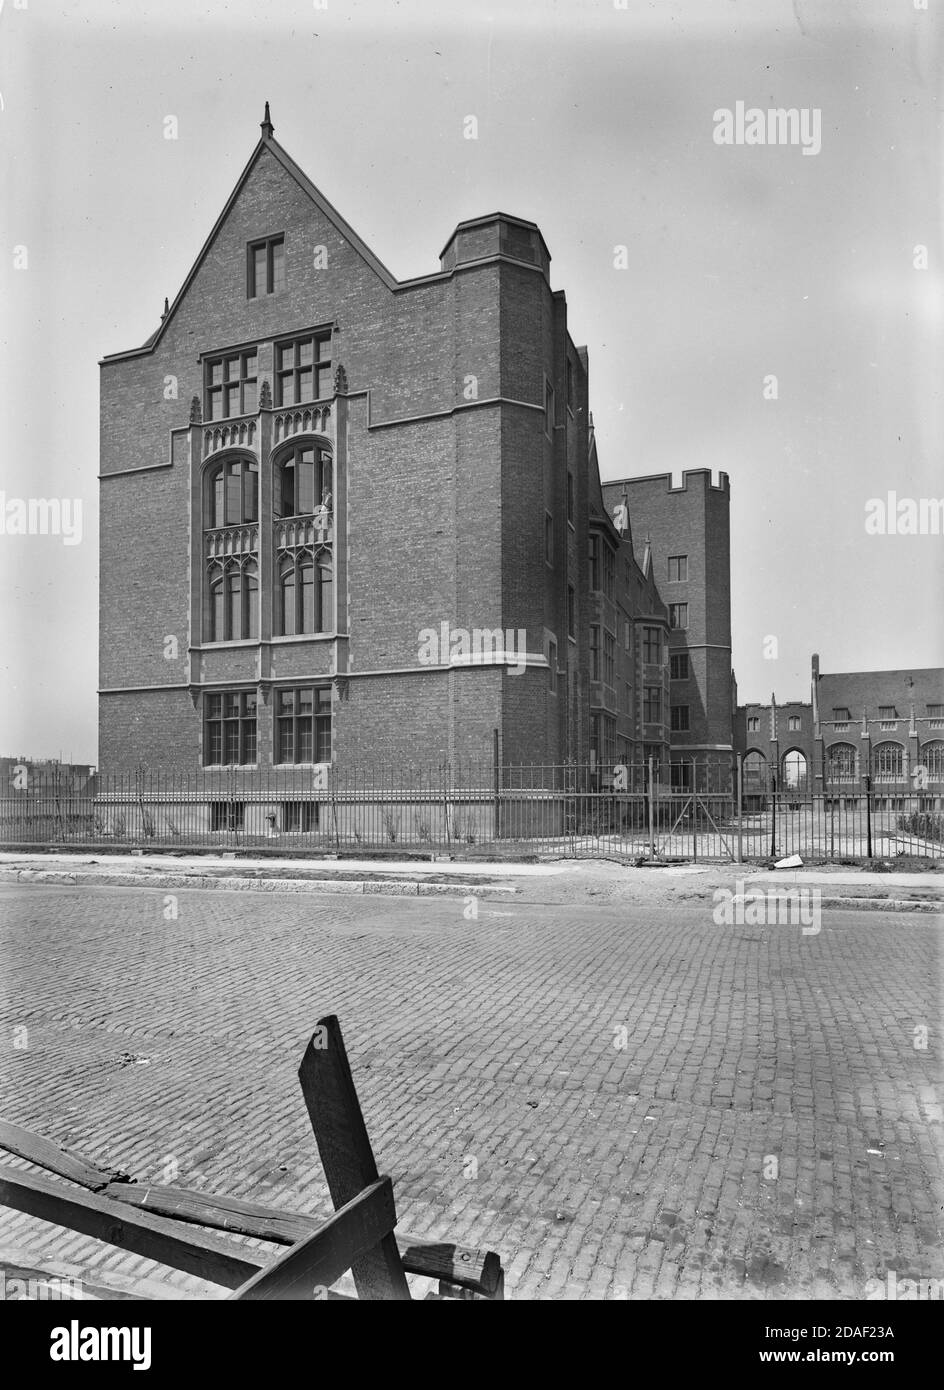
[548, 407]
[679, 719]
[594, 652]
[678, 569]
[609, 570]
[227, 815]
[266, 269]
[652, 704]
[300, 815]
[297, 378]
[652, 646]
[303, 725]
[793, 723]
[548, 538]
[229, 385]
[229, 735]
[594, 561]
[678, 616]
[552, 665]
[753, 723]
[678, 666]
[609, 658]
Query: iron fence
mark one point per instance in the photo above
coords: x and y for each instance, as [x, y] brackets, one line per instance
[679, 809]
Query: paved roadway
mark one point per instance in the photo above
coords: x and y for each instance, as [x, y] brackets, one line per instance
[623, 1101]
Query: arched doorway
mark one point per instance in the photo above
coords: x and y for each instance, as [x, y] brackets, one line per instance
[795, 771]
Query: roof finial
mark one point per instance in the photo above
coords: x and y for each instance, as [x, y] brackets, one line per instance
[267, 127]
[166, 309]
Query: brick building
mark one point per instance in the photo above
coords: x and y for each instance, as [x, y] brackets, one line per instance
[628, 641]
[349, 519]
[885, 725]
[681, 538]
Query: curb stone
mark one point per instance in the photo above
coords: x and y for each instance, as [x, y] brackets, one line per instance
[236, 884]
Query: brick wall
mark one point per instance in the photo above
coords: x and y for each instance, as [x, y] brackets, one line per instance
[439, 519]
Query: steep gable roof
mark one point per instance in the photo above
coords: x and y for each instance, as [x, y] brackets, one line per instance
[267, 142]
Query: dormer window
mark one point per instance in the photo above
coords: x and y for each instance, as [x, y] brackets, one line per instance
[266, 268]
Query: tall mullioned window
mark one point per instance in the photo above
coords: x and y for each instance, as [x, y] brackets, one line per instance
[888, 761]
[231, 557]
[234, 601]
[233, 493]
[841, 762]
[303, 481]
[306, 593]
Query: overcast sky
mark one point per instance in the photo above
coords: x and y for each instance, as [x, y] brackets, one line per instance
[597, 123]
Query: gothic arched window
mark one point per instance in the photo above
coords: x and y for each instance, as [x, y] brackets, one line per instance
[303, 481]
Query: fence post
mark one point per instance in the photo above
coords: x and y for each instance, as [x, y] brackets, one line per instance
[652, 810]
[694, 812]
[740, 809]
[773, 815]
[868, 813]
[497, 784]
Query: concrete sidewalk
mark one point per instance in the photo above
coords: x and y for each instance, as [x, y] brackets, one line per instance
[295, 867]
[550, 883]
[230, 874]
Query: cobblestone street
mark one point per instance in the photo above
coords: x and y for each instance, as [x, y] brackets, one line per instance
[622, 1102]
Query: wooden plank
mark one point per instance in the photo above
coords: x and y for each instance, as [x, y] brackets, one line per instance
[470, 1268]
[208, 1256]
[315, 1263]
[479, 1270]
[45, 1154]
[346, 1153]
[220, 1213]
